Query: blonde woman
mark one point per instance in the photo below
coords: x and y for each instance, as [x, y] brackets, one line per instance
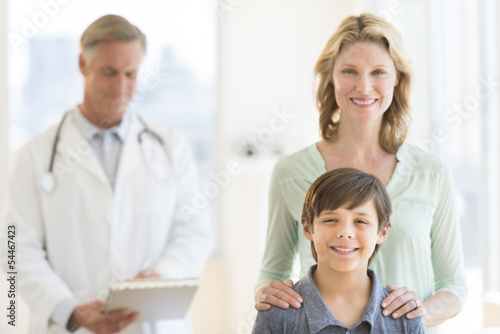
[363, 91]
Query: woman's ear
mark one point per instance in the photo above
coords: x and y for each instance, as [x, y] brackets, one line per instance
[398, 76]
[307, 229]
[383, 234]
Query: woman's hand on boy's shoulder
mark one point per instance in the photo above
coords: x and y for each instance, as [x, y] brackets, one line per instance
[279, 294]
[402, 301]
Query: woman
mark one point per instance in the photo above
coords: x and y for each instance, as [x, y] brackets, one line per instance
[363, 91]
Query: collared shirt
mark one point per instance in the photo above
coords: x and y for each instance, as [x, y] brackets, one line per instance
[313, 316]
[105, 143]
[423, 250]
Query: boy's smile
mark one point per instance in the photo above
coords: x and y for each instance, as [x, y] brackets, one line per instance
[343, 250]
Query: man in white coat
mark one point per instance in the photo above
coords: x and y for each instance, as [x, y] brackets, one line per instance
[115, 197]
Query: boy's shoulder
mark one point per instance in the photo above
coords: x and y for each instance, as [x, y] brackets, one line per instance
[290, 320]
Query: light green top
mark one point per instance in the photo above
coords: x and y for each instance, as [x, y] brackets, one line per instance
[423, 250]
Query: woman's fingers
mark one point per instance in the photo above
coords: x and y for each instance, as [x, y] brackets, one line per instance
[399, 302]
[278, 294]
[414, 304]
[418, 312]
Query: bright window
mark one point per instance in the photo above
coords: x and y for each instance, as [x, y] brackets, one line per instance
[176, 85]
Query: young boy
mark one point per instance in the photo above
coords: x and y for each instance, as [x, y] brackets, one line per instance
[346, 217]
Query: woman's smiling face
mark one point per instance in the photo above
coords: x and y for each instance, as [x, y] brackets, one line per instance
[364, 76]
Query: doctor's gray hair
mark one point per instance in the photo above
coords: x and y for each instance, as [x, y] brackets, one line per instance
[109, 28]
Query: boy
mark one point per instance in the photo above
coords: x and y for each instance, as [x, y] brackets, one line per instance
[346, 217]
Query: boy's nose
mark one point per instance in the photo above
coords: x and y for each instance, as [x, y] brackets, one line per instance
[345, 234]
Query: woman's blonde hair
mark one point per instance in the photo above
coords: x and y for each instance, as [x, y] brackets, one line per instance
[373, 29]
[109, 28]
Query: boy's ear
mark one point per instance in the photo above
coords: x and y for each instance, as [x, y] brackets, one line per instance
[383, 234]
[307, 229]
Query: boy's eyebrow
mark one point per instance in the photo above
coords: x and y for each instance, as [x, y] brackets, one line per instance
[359, 213]
[326, 212]
[362, 213]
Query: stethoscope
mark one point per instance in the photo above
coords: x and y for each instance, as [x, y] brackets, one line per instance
[48, 181]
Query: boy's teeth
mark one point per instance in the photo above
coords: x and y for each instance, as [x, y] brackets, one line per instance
[364, 102]
[344, 249]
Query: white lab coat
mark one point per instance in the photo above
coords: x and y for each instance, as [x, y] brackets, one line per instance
[73, 242]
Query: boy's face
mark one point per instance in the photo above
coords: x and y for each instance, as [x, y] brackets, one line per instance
[345, 239]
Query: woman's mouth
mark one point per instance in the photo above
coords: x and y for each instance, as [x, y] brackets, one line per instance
[363, 102]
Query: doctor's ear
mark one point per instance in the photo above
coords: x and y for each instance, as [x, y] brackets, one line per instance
[82, 64]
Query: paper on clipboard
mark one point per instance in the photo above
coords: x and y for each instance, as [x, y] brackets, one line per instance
[154, 299]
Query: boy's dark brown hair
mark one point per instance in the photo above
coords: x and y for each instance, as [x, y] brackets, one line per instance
[346, 186]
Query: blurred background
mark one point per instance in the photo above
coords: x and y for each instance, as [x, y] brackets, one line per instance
[236, 77]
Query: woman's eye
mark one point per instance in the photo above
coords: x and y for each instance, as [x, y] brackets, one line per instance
[348, 71]
[379, 72]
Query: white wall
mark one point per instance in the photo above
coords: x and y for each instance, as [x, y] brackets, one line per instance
[4, 123]
[4, 151]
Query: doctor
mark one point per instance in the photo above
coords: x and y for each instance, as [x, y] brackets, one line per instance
[104, 199]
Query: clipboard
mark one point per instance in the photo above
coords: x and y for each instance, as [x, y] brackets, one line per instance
[153, 298]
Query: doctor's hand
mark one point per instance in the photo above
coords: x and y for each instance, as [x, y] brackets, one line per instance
[278, 294]
[148, 273]
[90, 316]
[402, 301]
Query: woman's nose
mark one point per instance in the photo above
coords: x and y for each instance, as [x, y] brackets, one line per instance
[364, 84]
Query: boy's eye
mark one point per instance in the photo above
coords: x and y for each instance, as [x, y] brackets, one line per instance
[360, 221]
[329, 220]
